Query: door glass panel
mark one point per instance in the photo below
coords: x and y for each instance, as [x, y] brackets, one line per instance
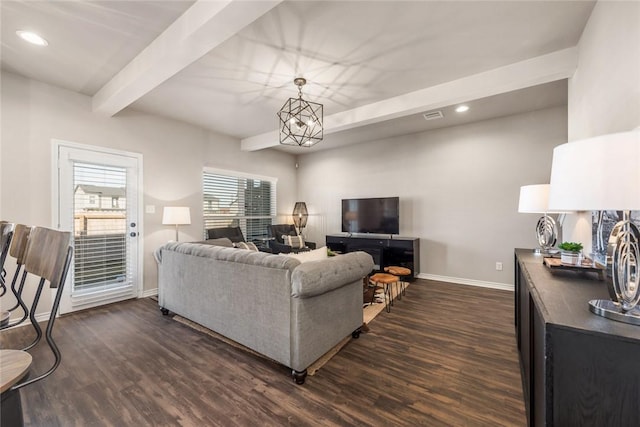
[99, 227]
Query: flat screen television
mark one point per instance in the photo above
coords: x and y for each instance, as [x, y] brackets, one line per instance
[379, 215]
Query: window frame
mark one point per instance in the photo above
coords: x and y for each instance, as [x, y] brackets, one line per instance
[241, 218]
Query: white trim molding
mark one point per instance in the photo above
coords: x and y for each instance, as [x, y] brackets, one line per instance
[468, 282]
[149, 293]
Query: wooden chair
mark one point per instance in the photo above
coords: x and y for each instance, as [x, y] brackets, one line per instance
[17, 251]
[48, 256]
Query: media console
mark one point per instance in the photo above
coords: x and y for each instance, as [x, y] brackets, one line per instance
[399, 251]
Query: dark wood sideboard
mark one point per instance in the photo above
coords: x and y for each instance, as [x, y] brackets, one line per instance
[399, 251]
[578, 369]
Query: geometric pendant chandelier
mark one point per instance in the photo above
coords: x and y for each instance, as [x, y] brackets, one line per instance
[300, 120]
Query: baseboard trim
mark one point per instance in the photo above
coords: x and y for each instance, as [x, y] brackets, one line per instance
[42, 317]
[468, 282]
[149, 293]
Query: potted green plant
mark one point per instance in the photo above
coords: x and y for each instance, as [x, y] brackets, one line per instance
[570, 252]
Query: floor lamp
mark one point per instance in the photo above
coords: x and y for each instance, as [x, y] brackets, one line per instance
[597, 174]
[176, 215]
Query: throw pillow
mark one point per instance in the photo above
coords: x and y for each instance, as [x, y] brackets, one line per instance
[314, 255]
[293, 241]
[247, 245]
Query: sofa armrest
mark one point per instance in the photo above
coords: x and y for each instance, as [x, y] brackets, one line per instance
[318, 277]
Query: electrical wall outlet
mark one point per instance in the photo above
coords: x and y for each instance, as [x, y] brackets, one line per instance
[499, 266]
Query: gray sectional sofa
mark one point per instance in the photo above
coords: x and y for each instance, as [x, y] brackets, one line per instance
[289, 311]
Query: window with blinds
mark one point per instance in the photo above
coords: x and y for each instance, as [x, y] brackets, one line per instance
[236, 200]
[100, 226]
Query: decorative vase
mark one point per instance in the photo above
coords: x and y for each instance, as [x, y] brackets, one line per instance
[570, 258]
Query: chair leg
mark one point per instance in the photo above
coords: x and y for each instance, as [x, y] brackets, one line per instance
[3, 287]
[32, 317]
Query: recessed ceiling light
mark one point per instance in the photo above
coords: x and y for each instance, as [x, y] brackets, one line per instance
[462, 108]
[32, 38]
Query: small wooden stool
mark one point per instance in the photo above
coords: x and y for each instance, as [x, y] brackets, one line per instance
[386, 280]
[401, 272]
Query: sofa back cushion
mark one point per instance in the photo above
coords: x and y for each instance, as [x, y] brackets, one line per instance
[262, 259]
[314, 278]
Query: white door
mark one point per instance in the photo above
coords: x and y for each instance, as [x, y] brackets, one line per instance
[98, 194]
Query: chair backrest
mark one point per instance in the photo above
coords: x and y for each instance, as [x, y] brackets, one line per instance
[17, 251]
[19, 242]
[46, 254]
[278, 230]
[232, 233]
[6, 235]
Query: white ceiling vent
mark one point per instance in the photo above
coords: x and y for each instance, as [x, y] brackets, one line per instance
[433, 115]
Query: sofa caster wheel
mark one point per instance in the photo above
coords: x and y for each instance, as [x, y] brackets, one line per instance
[164, 311]
[299, 376]
[356, 334]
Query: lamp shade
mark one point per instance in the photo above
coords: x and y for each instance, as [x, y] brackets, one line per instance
[534, 198]
[300, 215]
[176, 215]
[601, 173]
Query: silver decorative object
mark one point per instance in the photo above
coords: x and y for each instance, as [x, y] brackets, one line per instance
[623, 255]
[546, 233]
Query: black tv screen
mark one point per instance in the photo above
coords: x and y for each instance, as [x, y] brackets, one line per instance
[374, 215]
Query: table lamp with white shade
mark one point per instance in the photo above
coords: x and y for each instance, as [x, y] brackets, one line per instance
[535, 199]
[176, 215]
[603, 173]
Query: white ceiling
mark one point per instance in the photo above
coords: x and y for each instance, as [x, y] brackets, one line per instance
[229, 66]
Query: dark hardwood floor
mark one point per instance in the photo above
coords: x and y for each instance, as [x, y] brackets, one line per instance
[444, 356]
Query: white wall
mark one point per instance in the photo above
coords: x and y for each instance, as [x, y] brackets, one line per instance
[604, 93]
[174, 154]
[458, 189]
